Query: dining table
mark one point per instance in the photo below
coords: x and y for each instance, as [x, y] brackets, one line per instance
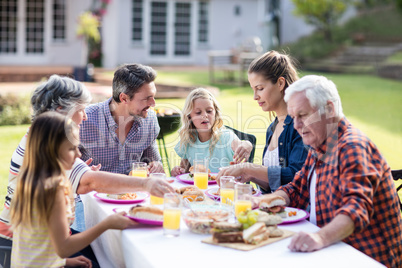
[145, 246]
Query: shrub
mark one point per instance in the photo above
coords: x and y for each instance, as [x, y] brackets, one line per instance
[14, 110]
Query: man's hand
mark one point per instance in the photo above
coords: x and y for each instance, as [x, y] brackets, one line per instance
[156, 167]
[157, 187]
[306, 242]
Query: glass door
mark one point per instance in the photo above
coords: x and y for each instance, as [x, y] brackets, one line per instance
[170, 33]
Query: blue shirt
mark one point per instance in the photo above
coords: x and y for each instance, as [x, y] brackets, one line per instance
[99, 140]
[221, 155]
[292, 154]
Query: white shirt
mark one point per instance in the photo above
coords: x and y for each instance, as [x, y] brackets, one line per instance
[313, 215]
[271, 158]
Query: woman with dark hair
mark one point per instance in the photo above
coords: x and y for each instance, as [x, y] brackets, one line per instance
[284, 153]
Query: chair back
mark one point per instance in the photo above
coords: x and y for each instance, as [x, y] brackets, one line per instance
[397, 175]
[246, 136]
[5, 256]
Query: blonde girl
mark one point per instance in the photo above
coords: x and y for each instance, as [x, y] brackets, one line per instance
[42, 207]
[203, 135]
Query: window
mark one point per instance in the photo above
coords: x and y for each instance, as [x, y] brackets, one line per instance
[137, 23]
[8, 26]
[158, 28]
[203, 22]
[182, 28]
[34, 26]
[59, 20]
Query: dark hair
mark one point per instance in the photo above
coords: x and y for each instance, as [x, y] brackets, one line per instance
[273, 65]
[129, 78]
[59, 92]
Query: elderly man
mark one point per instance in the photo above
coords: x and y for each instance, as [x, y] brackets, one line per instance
[345, 183]
[123, 129]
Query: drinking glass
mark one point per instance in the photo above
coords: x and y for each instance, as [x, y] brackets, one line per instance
[201, 174]
[139, 169]
[154, 199]
[171, 215]
[227, 189]
[243, 193]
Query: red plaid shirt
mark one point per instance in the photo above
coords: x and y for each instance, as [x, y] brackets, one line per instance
[353, 179]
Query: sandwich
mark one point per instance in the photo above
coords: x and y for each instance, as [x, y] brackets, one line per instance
[268, 219]
[273, 204]
[191, 193]
[146, 213]
[256, 234]
[225, 232]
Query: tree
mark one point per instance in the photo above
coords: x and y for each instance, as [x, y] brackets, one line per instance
[324, 14]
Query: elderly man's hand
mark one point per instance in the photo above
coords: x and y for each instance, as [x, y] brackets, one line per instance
[156, 167]
[158, 187]
[306, 242]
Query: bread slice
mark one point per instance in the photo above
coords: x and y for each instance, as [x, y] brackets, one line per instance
[228, 237]
[254, 231]
[147, 213]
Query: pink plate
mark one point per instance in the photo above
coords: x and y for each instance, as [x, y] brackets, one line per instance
[139, 220]
[105, 198]
[187, 179]
[211, 193]
[301, 215]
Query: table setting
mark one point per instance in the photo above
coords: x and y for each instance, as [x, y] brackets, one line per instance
[180, 235]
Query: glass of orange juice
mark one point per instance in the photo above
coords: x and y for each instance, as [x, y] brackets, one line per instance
[154, 199]
[227, 189]
[139, 169]
[171, 215]
[201, 174]
[243, 193]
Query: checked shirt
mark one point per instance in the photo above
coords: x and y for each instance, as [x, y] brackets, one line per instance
[353, 179]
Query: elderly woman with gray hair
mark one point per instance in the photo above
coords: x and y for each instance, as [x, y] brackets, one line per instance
[70, 97]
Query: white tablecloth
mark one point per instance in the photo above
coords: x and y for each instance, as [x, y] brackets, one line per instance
[146, 246]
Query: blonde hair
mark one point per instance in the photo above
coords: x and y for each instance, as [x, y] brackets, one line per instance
[272, 65]
[41, 173]
[188, 133]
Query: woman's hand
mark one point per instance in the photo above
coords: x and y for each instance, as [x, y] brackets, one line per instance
[177, 170]
[242, 152]
[237, 171]
[79, 261]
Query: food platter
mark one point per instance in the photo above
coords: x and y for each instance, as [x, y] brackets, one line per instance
[139, 220]
[300, 215]
[187, 179]
[212, 193]
[141, 196]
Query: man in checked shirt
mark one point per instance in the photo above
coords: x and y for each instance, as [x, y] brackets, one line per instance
[345, 183]
[123, 129]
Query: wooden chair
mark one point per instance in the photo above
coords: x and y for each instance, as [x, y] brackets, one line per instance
[397, 175]
[245, 136]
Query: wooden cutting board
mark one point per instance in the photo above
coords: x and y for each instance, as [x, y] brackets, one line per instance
[247, 247]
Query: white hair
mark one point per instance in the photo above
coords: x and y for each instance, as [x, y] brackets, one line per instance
[319, 90]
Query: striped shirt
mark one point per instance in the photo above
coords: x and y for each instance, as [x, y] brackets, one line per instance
[100, 142]
[32, 247]
[17, 158]
[353, 179]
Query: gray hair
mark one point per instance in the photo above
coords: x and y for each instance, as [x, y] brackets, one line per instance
[318, 91]
[61, 93]
[129, 78]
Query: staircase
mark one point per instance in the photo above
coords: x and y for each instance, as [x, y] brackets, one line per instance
[367, 58]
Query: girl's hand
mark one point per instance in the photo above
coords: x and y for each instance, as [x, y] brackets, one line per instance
[119, 221]
[242, 152]
[93, 168]
[79, 261]
[177, 170]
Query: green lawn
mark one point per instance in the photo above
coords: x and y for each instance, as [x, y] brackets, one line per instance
[369, 102]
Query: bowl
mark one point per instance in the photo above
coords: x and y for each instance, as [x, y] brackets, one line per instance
[201, 222]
